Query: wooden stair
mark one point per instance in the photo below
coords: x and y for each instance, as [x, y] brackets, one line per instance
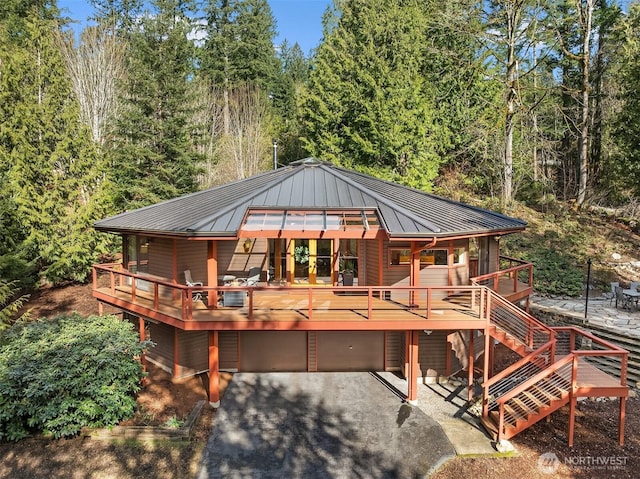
[552, 369]
[528, 407]
[509, 341]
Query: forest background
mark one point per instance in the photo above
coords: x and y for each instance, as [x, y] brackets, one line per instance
[506, 104]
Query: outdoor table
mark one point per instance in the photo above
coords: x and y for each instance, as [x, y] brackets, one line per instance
[633, 295]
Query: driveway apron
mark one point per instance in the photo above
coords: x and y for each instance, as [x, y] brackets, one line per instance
[320, 425]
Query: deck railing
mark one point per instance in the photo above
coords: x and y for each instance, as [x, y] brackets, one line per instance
[512, 271]
[519, 324]
[513, 376]
[599, 352]
[541, 369]
[371, 302]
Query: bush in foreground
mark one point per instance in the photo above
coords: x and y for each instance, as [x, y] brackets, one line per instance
[57, 376]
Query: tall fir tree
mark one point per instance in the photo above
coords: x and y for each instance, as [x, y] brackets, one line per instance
[239, 47]
[367, 105]
[152, 154]
[50, 171]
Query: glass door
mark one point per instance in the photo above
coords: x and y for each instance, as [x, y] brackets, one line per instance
[312, 261]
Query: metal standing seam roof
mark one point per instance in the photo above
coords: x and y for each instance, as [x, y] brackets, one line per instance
[311, 184]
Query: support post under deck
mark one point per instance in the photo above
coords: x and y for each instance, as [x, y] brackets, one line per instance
[214, 370]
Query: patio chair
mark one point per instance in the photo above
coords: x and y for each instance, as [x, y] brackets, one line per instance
[253, 276]
[612, 294]
[197, 295]
[622, 301]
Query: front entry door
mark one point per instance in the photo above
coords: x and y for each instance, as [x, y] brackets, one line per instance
[312, 261]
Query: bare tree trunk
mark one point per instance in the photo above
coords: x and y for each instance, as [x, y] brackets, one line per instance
[95, 68]
[512, 13]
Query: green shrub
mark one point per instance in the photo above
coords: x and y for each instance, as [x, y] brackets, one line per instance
[554, 274]
[57, 376]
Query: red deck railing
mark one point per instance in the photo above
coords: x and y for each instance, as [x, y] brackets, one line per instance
[579, 353]
[371, 302]
[515, 273]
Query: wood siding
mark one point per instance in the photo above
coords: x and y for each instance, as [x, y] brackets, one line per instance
[193, 353]
[372, 253]
[312, 351]
[192, 255]
[229, 353]
[162, 353]
[394, 351]
[432, 355]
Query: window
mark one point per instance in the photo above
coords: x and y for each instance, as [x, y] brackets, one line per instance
[459, 255]
[400, 256]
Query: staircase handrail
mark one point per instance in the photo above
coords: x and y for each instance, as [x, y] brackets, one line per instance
[545, 373]
[518, 364]
[496, 298]
[532, 323]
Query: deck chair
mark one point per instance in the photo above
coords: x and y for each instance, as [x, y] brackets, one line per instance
[197, 295]
[253, 276]
[612, 294]
[622, 301]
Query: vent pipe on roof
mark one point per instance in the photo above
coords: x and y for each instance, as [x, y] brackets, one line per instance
[275, 154]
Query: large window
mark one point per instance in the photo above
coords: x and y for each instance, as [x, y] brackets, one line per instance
[428, 257]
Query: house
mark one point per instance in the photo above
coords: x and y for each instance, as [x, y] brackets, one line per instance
[349, 273]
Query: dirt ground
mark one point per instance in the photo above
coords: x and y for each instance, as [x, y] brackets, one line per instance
[541, 451]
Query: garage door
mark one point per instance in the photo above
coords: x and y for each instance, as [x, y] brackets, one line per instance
[350, 351]
[262, 351]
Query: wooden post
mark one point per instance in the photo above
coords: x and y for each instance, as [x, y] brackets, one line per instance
[573, 401]
[472, 357]
[176, 352]
[621, 418]
[214, 370]
[143, 356]
[212, 273]
[412, 378]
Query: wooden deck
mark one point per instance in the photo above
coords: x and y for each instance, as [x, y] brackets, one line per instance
[594, 382]
[304, 309]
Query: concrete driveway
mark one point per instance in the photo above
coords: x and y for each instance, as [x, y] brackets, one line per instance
[320, 425]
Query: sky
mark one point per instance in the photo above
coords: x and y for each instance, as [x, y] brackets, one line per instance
[297, 20]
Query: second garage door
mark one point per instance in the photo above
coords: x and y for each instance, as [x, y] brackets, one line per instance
[350, 351]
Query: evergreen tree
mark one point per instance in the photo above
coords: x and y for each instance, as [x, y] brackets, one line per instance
[239, 45]
[153, 157]
[624, 176]
[284, 97]
[50, 172]
[367, 104]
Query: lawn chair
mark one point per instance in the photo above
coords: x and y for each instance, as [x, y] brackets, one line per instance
[622, 301]
[252, 277]
[197, 295]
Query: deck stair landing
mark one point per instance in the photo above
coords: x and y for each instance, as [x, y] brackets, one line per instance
[545, 380]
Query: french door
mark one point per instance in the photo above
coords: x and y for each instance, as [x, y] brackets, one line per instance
[312, 261]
